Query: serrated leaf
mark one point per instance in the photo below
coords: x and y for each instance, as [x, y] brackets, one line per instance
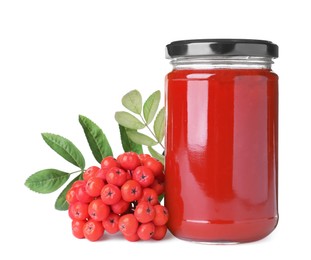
[61, 203]
[159, 125]
[156, 155]
[151, 106]
[46, 181]
[128, 120]
[140, 138]
[127, 144]
[65, 148]
[96, 138]
[133, 101]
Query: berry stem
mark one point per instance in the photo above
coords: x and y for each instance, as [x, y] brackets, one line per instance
[81, 170]
[145, 123]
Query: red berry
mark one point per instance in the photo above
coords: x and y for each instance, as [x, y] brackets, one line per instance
[120, 207]
[143, 157]
[98, 210]
[101, 174]
[150, 196]
[116, 176]
[94, 186]
[78, 183]
[90, 172]
[111, 223]
[128, 175]
[143, 175]
[157, 186]
[129, 160]
[128, 224]
[146, 231]
[110, 194]
[144, 212]
[161, 215]
[159, 232]
[71, 196]
[107, 163]
[154, 165]
[132, 238]
[131, 191]
[82, 195]
[77, 228]
[161, 177]
[78, 211]
[93, 230]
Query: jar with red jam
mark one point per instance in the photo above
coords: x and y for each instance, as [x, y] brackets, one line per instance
[221, 155]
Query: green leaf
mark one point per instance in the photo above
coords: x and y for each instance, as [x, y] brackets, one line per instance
[151, 106]
[140, 138]
[160, 198]
[129, 121]
[156, 155]
[46, 181]
[159, 125]
[61, 203]
[65, 148]
[133, 101]
[96, 138]
[127, 144]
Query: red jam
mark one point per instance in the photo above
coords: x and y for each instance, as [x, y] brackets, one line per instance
[221, 154]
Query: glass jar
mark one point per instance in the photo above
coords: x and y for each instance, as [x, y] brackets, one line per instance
[222, 140]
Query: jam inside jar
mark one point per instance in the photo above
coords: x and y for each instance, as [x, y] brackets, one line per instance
[221, 158]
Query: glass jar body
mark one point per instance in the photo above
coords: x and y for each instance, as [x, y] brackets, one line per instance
[221, 150]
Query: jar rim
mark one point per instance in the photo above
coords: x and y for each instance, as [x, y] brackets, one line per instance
[223, 47]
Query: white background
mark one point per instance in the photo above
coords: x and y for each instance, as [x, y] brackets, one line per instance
[59, 59]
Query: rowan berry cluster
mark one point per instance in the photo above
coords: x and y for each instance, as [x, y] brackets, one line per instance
[121, 195]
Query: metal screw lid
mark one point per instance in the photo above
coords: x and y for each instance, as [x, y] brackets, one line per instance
[221, 47]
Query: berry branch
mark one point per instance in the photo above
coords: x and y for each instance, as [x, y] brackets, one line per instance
[80, 171]
[125, 192]
[147, 113]
[146, 125]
